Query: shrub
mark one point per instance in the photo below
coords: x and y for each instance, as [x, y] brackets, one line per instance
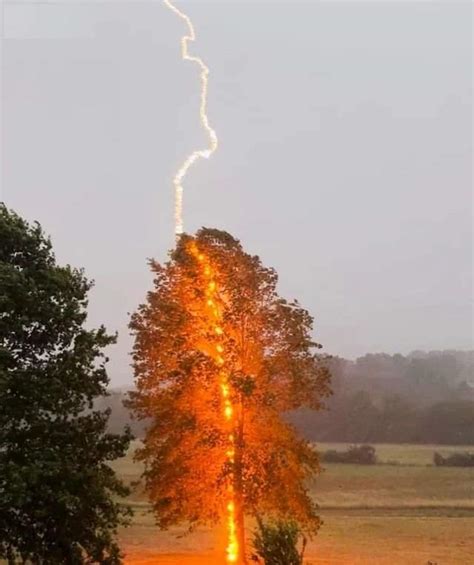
[276, 543]
[360, 455]
[454, 460]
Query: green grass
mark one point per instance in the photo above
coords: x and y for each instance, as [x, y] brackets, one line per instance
[372, 539]
[404, 454]
[413, 482]
[394, 486]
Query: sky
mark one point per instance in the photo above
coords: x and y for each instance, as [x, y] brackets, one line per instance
[345, 156]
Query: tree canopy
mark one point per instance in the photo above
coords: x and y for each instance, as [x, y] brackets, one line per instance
[57, 490]
[262, 345]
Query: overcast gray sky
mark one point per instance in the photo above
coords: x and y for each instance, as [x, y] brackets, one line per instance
[345, 156]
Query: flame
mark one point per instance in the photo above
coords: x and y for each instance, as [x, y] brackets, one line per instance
[232, 550]
[213, 142]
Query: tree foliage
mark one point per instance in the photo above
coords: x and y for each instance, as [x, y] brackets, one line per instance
[355, 454]
[272, 366]
[277, 543]
[461, 459]
[56, 488]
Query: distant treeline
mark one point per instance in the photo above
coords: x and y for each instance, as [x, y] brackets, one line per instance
[357, 454]
[418, 398]
[454, 460]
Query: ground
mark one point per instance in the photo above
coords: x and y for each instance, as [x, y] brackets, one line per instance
[403, 511]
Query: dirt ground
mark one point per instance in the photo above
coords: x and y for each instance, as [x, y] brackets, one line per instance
[403, 513]
[344, 540]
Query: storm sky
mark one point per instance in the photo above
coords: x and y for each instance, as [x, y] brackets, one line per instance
[345, 156]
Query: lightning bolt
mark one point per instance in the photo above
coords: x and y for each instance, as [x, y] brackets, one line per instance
[213, 142]
[215, 317]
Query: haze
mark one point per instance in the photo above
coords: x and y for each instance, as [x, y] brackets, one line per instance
[344, 159]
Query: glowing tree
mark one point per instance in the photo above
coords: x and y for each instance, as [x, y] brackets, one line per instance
[219, 358]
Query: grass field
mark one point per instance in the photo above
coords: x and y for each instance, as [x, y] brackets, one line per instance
[403, 511]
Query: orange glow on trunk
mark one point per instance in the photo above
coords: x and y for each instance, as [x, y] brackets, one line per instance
[214, 315]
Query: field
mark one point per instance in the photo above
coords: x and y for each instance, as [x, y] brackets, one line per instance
[403, 511]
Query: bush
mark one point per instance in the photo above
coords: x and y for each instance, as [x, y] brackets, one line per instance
[454, 460]
[276, 543]
[360, 455]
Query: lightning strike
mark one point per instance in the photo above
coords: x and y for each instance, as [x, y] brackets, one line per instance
[213, 142]
[232, 550]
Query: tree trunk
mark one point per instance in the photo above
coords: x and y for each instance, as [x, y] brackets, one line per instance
[238, 487]
[240, 525]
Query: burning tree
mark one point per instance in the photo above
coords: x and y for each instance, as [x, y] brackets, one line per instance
[219, 357]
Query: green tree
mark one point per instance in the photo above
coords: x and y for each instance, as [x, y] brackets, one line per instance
[214, 334]
[57, 490]
[276, 543]
[450, 422]
[397, 420]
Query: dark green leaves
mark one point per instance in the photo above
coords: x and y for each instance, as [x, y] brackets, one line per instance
[57, 493]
